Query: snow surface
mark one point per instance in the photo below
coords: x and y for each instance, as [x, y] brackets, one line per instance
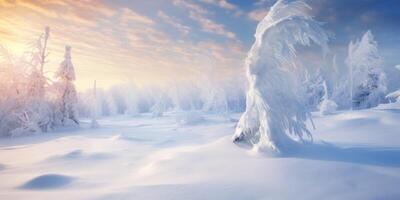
[356, 155]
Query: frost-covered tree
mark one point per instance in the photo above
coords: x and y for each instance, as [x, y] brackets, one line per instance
[159, 106]
[215, 100]
[13, 83]
[314, 89]
[131, 99]
[367, 79]
[25, 109]
[67, 95]
[38, 111]
[275, 105]
[394, 96]
[94, 123]
[38, 58]
[327, 106]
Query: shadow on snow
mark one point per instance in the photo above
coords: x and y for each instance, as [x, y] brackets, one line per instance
[378, 156]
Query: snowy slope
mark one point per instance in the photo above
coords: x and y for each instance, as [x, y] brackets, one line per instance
[356, 156]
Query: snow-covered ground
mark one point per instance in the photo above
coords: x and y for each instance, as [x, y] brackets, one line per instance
[356, 155]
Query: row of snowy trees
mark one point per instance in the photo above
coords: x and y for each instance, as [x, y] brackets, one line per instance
[363, 85]
[128, 99]
[30, 102]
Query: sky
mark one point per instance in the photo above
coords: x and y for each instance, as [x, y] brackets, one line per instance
[163, 41]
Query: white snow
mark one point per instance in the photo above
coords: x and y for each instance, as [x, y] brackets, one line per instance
[157, 158]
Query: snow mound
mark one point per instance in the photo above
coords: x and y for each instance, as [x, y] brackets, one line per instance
[327, 107]
[48, 181]
[200, 162]
[80, 155]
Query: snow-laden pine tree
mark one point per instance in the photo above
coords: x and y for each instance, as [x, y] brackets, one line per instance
[367, 79]
[67, 96]
[275, 104]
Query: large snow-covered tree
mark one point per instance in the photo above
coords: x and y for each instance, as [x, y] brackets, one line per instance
[67, 96]
[275, 104]
[367, 79]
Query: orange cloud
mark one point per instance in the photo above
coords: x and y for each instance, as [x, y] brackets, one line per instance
[114, 44]
[258, 14]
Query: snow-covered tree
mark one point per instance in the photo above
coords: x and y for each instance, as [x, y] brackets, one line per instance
[94, 123]
[13, 92]
[394, 96]
[67, 95]
[215, 100]
[275, 104]
[367, 79]
[38, 110]
[314, 89]
[159, 106]
[27, 111]
[327, 106]
[38, 58]
[131, 99]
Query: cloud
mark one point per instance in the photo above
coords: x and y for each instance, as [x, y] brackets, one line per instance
[114, 43]
[129, 16]
[264, 2]
[221, 3]
[4, 33]
[258, 14]
[191, 6]
[199, 14]
[174, 22]
[210, 26]
[224, 4]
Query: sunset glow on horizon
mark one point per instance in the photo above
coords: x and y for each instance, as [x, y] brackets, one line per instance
[115, 43]
[158, 42]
